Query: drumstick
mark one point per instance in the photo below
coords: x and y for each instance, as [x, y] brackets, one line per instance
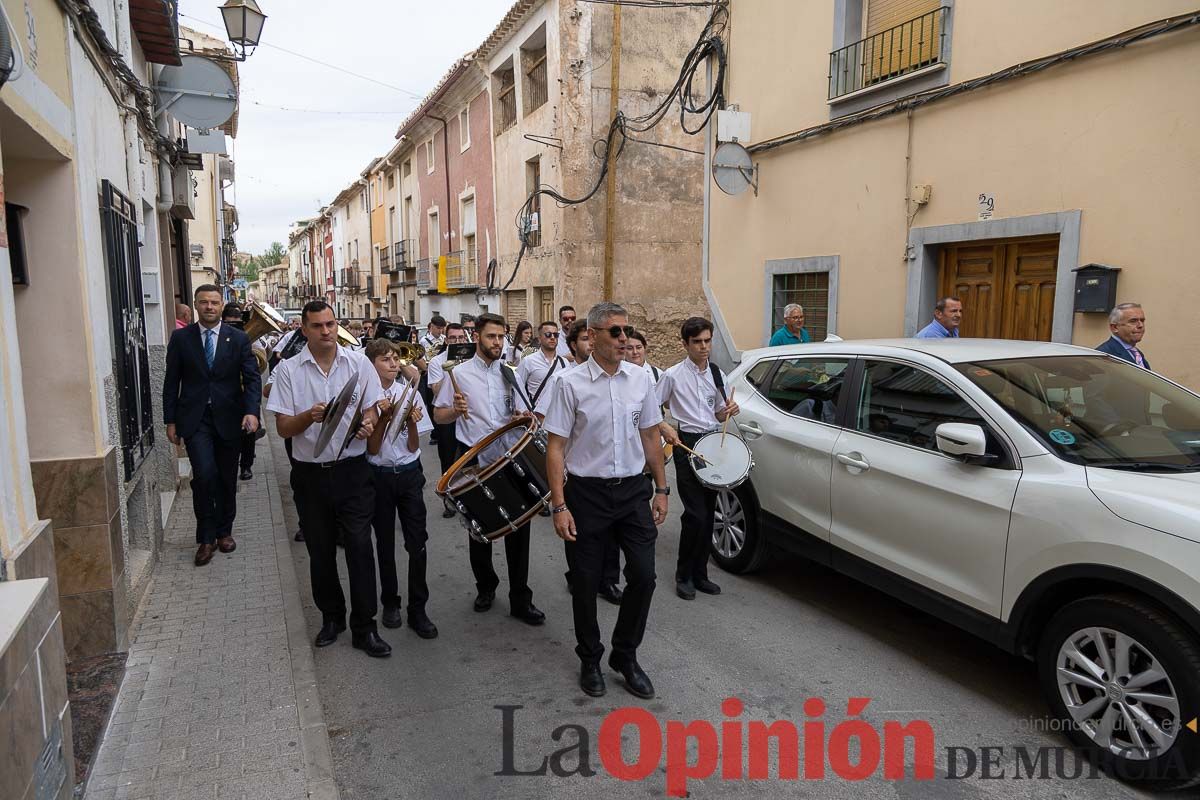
[687, 449]
[725, 424]
[454, 383]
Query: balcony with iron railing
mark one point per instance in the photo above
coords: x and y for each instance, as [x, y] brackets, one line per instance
[405, 252]
[426, 276]
[908, 48]
[461, 270]
[385, 261]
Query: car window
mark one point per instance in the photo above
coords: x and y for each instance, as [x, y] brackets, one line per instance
[808, 387]
[759, 372]
[906, 404]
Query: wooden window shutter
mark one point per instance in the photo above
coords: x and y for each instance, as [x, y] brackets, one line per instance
[900, 49]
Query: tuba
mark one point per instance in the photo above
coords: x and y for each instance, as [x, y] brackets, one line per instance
[261, 320]
[408, 352]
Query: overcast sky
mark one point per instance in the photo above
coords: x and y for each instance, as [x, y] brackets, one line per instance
[290, 162]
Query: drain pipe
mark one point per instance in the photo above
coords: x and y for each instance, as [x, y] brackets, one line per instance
[724, 352]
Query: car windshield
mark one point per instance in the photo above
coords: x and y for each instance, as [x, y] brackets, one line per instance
[1097, 411]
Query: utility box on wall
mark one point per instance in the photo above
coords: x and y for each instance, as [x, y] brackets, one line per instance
[1095, 288]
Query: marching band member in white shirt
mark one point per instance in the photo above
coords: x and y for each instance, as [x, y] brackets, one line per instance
[566, 318]
[487, 400]
[395, 459]
[698, 402]
[535, 368]
[447, 445]
[635, 353]
[603, 424]
[334, 492]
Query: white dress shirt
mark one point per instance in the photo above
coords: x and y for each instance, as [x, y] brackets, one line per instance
[562, 349]
[690, 395]
[650, 370]
[429, 340]
[436, 371]
[533, 369]
[543, 402]
[601, 416]
[394, 451]
[300, 384]
[489, 398]
[283, 341]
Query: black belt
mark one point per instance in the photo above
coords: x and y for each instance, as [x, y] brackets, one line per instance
[331, 464]
[605, 481]
[396, 469]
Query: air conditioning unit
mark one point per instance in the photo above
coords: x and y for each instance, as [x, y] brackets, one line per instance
[197, 251]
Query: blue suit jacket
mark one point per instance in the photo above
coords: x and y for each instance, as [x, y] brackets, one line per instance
[233, 385]
[1113, 346]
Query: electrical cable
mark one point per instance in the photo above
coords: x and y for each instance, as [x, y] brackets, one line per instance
[12, 44]
[709, 45]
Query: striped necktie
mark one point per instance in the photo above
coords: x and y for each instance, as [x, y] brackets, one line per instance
[1137, 357]
[210, 347]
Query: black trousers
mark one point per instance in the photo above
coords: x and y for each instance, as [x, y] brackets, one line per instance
[612, 564]
[516, 553]
[612, 516]
[447, 445]
[247, 452]
[696, 521]
[333, 501]
[214, 480]
[400, 492]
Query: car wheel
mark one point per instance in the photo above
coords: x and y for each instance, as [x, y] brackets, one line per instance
[1120, 675]
[737, 544]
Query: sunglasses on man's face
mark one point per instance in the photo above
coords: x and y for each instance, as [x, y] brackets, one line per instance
[567, 320]
[550, 334]
[615, 331]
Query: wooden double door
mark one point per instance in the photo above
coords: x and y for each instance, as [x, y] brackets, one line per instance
[1006, 286]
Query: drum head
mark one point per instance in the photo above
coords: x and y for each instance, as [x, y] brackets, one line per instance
[727, 464]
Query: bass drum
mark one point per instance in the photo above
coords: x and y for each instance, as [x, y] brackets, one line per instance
[496, 499]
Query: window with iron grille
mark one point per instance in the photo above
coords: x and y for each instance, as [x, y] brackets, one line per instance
[506, 98]
[119, 218]
[533, 64]
[533, 179]
[808, 289]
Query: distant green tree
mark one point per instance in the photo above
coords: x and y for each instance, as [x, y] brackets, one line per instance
[273, 255]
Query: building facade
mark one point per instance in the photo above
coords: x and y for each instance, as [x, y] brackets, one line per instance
[551, 77]
[988, 160]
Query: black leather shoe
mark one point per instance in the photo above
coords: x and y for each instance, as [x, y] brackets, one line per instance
[685, 590]
[591, 680]
[612, 593]
[447, 512]
[637, 683]
[247, 474]
[483, 601]
[391, 617]
[421, 624]
[706, 586]
[530, 615]
[329, 633]
[372, 645]
[299, 537]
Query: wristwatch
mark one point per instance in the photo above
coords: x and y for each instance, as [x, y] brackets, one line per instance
[559, 509]
[664, 490]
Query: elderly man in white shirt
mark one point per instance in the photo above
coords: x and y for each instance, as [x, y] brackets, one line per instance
[483, 404]
[333, 488]
[694, 392]
[603, 425]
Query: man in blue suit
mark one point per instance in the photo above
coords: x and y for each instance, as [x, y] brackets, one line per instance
[211, 396]
[1127, 322]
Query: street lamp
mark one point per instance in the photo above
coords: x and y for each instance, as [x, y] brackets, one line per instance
[244, 22]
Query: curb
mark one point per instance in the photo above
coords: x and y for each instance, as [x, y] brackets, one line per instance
[314, 735]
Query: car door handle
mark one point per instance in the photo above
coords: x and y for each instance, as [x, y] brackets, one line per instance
[751, 429]
[851, 461]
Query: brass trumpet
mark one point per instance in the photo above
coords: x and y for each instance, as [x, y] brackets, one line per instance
[409, 352]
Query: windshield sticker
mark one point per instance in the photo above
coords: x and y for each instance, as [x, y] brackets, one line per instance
[980, 372]
[1062, 437]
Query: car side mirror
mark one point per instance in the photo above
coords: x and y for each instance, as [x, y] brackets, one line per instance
[964, 441]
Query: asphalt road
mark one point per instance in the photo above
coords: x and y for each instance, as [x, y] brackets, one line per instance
[425, 723]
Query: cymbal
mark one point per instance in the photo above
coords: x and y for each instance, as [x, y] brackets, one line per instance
[333, 415]
[355, 422]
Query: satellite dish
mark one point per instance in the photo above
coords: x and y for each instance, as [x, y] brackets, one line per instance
[200, 93]
[733, 169]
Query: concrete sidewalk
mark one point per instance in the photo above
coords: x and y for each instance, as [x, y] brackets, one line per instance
[219, 698]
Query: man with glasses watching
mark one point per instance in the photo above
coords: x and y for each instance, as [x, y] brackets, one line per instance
[603, 425]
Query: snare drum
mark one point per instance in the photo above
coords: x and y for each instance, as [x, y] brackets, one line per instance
[496, 499]
[728, 463]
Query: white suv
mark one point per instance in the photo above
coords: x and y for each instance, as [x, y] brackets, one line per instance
[1045, 497]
